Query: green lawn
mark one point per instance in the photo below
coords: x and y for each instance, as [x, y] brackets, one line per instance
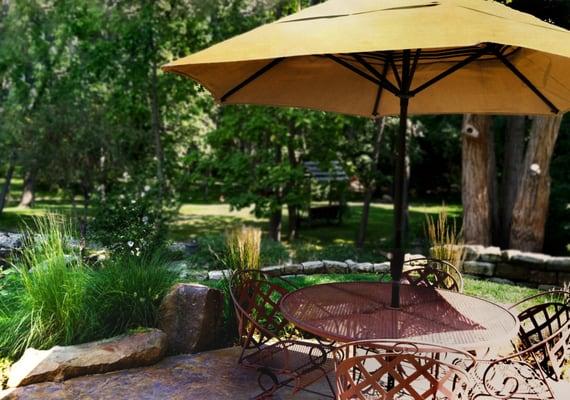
[195, 220]
[200, 219]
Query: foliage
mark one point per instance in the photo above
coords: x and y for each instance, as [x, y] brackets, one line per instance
[446, 242]
[306, 251]
[126, 292]
[5, 364]
[49, 307]
[132, 221]
[51, 297]
[272, 252]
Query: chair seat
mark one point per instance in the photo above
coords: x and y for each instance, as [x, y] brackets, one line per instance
[307, 362]
[510, 379]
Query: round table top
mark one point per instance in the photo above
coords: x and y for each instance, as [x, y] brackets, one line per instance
[351, 311]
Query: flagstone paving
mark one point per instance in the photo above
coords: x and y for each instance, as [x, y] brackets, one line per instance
[205, 376]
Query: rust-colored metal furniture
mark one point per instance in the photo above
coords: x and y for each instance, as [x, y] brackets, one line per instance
[511, 378]
[350, 311]
[432, 272]
[545, 331]
[387, 370]
[268, 340]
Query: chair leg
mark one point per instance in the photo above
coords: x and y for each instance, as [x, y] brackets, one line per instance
[267, 391]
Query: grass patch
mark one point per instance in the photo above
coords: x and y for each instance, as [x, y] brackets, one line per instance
[500, 293]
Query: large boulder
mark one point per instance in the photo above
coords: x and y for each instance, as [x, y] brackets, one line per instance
[64, 362]
[191, 316]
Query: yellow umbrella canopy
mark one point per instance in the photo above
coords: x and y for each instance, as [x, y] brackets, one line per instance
[336, 55]
[385, 57]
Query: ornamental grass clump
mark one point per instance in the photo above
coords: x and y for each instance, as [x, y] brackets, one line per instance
[126, 292]
[47, 296]
[243, 248]
[446, 241]
[242, 252]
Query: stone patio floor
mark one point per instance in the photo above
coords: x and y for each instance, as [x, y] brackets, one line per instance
[205, 376]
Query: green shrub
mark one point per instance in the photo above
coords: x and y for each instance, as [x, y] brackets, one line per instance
[337, 252]
[130, 222]
[44, 302]
[126, 292]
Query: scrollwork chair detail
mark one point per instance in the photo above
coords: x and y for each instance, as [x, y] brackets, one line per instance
[431, 272]
[268, 343]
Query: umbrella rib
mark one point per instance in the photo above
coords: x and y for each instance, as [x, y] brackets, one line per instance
[379, 93]
[448, 72]
[382, 77]
[395, 70]
[526, 81]
[253, 77]
[358, 71]
[415, 64]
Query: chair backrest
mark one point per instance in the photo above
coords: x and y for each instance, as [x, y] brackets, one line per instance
[542, 315]
[439, 273]
[545, 329]
[256, 303]
[387, 370]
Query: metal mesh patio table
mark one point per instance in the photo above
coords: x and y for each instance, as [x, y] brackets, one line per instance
[361, 310]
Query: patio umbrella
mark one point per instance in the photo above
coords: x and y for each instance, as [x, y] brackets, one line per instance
[393, 57]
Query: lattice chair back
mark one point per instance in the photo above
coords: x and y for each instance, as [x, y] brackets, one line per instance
[388, 370]
[545, 328]
[256, 303]
[451, 278]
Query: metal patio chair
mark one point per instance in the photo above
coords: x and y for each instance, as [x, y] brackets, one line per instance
[511, 378]
[431, 272]
[387, 370]
[270, 344]
[545, 330]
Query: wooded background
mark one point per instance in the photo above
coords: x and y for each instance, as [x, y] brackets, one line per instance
[84, 107]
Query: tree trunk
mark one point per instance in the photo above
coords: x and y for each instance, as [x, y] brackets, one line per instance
[275, 225]
[493, 189]
[7, 182]
[28, 195]
[292, 184]
[475, 189]
[156, 130]
[512, 169]
[531, 204]
[293, 216]
[369, 191]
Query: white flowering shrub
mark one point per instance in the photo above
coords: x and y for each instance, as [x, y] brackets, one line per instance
[130, 222]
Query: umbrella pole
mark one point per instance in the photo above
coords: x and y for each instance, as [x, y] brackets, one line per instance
[397, 260]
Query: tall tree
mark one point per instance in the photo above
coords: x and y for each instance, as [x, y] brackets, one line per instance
[531, 204]
[511, 174]
[476, 188]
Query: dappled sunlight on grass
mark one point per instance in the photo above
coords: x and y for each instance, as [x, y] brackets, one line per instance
[202, 219]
